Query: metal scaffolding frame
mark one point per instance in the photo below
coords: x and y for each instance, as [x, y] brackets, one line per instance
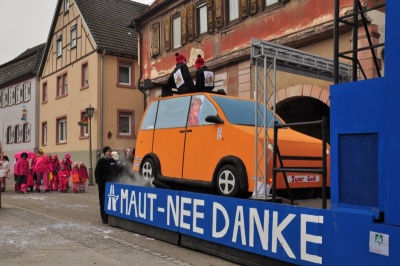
[268, 58]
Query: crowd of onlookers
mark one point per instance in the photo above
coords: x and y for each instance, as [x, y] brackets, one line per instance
[41, 172]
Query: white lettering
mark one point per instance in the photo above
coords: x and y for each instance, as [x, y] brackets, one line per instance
[152, 197]
[197, 215]
[142, 205]
[219, 207]
[184, 212]
[262, 231]
[172, 208]
[277, 233]
[305, 218]
[239, 225]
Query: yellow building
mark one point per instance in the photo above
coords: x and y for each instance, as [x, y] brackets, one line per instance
[90, 59]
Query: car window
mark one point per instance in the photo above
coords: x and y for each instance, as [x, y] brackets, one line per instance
[200, 108]
[241, 112]
[173, 112]
[150, 118]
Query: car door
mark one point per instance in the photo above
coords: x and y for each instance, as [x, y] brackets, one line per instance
[203, 141]
[169, 134]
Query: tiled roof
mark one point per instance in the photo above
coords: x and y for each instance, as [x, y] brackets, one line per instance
[25, 65]
[108, 20]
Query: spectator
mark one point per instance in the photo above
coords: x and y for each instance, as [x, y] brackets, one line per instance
[127, 162]
[106, 169]
[4, 170]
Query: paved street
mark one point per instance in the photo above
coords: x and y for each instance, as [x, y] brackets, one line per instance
[65, 229]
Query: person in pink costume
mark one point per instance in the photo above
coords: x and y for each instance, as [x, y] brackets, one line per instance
[83, 176]
[22, 171]
[56, 167]
[63, 177]
[68, 165]
[42, 168]
[75, 177]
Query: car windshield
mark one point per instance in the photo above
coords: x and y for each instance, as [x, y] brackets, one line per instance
[241, 112]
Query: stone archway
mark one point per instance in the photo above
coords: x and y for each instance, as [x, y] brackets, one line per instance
[304, 103]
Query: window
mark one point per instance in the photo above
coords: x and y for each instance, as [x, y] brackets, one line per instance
[26, 132]
[62, 130]
[233, 10]
[59, 46]
[176, 32]
[44, 133]
[66, 6]
[27, 91]
[270, 2]
[1, 98]
[44, 93]
[10, 134]
[84, 129]
[11, 96]
[5, 97]
[125, 123]
[19, 95]
[62, 85]
[173, 113]
[202, 19]
[73, 36]
[125, 73]
[85, 75]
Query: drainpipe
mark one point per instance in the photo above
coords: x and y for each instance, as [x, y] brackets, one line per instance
[101, 97]
[140, 64]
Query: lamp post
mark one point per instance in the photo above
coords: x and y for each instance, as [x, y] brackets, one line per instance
[89, 114]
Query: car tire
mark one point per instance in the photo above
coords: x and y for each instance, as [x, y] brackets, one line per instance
[228, 183]
[148, 169]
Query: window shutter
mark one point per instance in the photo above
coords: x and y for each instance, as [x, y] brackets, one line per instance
[28, 132]
[27, 91]
[190, 22]
[183, 26]
[253, 7]
[210, 17]
[167, 33]
[11, 96]
[1, 98]
[155, 39]
[218, 14]
[243, 9]
[5, 98]
[19, 133]
[18, 94]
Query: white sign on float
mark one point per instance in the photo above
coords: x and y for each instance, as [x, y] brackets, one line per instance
[238, 223]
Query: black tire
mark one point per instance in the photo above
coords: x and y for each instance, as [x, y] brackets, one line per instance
[148, 169]
[228, 183]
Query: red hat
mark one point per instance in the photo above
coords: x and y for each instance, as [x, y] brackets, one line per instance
[199, 62]
[179, 58]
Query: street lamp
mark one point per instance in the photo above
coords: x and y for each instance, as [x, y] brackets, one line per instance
[89, 114]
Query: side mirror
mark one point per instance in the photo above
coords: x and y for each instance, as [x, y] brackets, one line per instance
[214, 119]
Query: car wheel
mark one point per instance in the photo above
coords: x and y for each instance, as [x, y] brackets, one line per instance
[148, 169]
[228, 181]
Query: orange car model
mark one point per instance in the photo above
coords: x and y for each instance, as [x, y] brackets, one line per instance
[208, 140]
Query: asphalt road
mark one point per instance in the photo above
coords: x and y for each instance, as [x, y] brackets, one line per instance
[65, 229]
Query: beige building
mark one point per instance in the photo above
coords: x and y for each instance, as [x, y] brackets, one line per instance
[90, 59]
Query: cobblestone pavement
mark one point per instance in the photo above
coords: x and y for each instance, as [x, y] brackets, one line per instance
[65, 229]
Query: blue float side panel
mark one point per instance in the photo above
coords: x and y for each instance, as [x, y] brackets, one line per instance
[392, 113]
[357, 158]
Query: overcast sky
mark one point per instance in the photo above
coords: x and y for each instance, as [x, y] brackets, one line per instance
[25, 24]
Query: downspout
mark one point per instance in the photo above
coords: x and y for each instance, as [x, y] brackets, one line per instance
[101, 98]
[140, 64]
